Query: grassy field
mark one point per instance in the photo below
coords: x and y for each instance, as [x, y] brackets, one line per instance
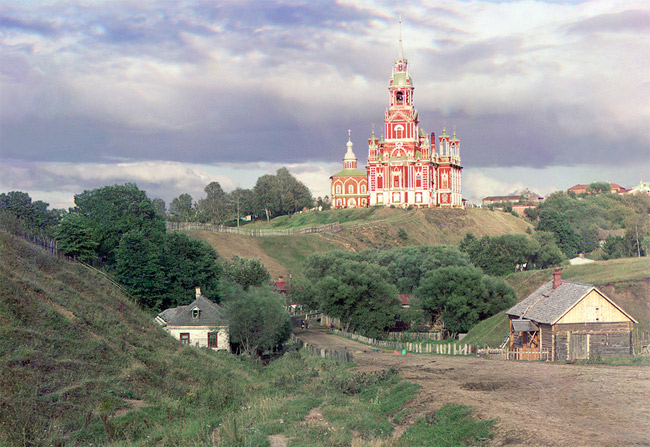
[361, 229]
[80, 364]
[626, 281]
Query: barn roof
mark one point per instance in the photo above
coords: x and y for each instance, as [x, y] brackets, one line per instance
[210, 314]
[547, 305]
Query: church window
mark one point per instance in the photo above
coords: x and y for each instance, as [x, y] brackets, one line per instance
[380, 182]
[396, 181]
[338, 189]
[338, 202]
[363, 189]
[350, 189]
[399, 98]
[418, 181]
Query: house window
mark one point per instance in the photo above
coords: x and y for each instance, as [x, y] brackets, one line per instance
[195, 313]
[185, 338]
[212, 339]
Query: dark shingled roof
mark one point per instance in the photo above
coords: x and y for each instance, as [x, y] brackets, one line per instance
[547, 305]
[210, 314]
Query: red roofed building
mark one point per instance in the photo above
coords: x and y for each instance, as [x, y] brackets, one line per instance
[582, 189]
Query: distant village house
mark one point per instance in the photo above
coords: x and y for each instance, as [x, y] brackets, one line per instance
[201, 323]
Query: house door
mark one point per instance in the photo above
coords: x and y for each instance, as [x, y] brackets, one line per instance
[578, 347]
[212, 339]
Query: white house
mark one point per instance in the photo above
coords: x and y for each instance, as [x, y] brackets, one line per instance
[201, 323]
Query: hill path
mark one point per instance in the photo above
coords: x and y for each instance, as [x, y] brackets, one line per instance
[535, 403]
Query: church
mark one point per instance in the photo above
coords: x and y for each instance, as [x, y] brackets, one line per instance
[407, 167]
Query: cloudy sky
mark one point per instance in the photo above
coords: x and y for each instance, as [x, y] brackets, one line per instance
[174, 94]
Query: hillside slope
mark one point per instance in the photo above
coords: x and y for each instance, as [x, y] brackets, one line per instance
[626, 281]
[74, 350]
[360, 229]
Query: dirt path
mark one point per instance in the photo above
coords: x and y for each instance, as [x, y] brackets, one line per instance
[534, 403]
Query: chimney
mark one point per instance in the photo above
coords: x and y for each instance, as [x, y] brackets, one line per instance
[557, 280]
[198, 292]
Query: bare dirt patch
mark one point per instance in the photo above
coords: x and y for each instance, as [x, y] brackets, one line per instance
[534, 403]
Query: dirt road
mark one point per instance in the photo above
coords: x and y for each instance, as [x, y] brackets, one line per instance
[534, 403]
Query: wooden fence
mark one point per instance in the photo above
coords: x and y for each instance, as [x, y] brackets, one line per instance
[255, 232]
[339, 355]
[514, 354]
[640, 342]
[418, 348]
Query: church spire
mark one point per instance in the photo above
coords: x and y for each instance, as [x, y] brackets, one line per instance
[400, 55]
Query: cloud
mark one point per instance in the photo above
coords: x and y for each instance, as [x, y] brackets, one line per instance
[526, 84]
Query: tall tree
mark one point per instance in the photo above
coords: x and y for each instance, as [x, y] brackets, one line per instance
[216, 207]
[247, 272]
[112, 211]
[462, 296]
[182, 209]
[258, 321]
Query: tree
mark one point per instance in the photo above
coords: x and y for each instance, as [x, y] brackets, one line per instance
[182, 209]
[247, 272]
[159, 206]
[243, 202]
[360, 296]
[258, 321]
[462, 296]
[138, 267]
[189, 263]
[280, 194]
[75, 238]
[596, 188]
[549, 254]
[18, 214]
[216, 207]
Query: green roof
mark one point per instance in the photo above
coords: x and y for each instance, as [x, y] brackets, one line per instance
[350, 173]
[399, 79]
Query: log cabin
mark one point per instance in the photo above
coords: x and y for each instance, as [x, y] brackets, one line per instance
[565, 320]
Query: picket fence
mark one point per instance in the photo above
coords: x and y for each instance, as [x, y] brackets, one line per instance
[255, 232]
[418, 348]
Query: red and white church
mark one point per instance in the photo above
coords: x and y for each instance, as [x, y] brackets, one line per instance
[406, 168]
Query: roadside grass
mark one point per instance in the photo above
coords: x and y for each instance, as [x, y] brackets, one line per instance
[452, 425]
[639, 360]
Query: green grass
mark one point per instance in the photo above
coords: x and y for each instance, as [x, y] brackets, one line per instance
[491, 331]
[292, 251]
[452, 425]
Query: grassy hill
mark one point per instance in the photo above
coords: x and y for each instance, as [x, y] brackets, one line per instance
[626, 281]
[80, 364]
[360, 229]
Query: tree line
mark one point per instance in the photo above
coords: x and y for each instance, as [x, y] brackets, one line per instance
[272, 196]
[578, 221]
[362, 288]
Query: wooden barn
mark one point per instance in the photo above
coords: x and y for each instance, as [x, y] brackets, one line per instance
[565, 320]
